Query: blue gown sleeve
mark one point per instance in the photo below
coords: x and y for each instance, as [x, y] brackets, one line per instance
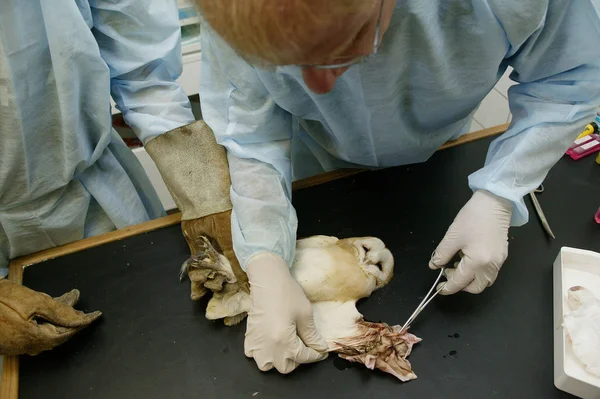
[140, 41]
[557, 66]
[257, 134]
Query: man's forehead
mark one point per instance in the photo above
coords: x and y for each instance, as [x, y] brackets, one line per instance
[287, 31]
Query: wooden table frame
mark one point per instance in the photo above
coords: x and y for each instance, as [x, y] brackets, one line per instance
[9, 387]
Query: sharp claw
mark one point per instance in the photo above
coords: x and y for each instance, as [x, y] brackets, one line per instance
[183, 271]
[189, 263]
[207, 258]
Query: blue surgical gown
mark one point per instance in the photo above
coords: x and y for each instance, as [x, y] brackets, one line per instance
[437, 62]
[65, 173]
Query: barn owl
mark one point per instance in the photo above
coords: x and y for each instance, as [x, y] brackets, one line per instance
[334, 274]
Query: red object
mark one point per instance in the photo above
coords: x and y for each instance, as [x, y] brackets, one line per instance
[132, 142]
[597, 216]
[583, 148]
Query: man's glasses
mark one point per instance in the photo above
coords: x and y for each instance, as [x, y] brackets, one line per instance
[340, 63]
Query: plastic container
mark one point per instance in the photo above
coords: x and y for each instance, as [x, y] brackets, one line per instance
[584, 146]
[573, 267]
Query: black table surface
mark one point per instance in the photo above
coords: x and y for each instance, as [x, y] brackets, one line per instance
[154, 342]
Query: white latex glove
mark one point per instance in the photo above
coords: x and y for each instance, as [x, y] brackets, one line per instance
[281, 332]
[480, 233]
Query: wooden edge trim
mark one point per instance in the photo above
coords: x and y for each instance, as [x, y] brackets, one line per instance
[339, 174]
[9, 389]
[324, 178]
[478, 135]
[18, 264]
[9, 384]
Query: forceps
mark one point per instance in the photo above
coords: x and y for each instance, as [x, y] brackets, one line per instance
[425, 301]
[538, 210]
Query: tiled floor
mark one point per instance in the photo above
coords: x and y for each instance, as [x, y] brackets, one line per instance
[494, 108]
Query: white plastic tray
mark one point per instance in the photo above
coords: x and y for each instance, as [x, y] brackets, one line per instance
[573, 267]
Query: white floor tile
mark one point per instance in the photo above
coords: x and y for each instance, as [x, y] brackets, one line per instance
[475, 126]
[493, 110]
[505, 83]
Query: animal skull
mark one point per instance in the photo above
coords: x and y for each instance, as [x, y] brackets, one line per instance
[334, 274]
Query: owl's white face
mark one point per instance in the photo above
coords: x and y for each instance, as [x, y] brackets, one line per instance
[329, 269]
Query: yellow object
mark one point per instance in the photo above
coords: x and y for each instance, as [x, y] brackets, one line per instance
[589, 129]
[598, 159]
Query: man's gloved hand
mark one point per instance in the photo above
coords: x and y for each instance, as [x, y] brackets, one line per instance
[195, 170]
[480, 233]
[32, 322]
[281, 332]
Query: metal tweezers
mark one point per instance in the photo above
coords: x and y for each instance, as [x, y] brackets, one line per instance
[425, 301]
[538, 210]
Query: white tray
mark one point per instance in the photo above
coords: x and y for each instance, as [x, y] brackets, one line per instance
[573, 267]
